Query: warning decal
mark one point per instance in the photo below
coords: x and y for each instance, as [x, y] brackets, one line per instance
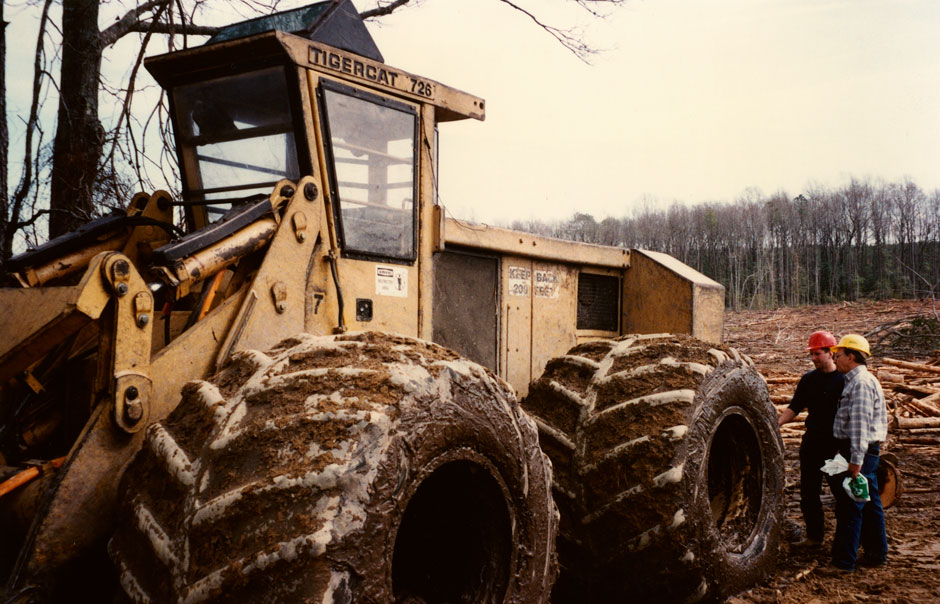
[520, 279]
[546, 284]
[391, 281]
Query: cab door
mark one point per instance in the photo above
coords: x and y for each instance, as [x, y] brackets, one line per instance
[370, 151]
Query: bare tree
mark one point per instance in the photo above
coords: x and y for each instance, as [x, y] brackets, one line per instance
[80, 137]
[13, 219]
[856, 241]
[4, 132]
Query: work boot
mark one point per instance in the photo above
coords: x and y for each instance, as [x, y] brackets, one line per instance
[872, 562]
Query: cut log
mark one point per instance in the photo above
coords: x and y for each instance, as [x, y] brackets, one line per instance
[909, 389]
[921, 409]
[885, 376]
[920, 440]
[915, 431]
[784, 379]
[910, 365]
[931, 401]
[918, 422]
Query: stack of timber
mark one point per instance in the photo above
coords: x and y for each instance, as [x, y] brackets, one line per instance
[912, 391]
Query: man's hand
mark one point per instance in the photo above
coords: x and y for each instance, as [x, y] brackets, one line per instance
[854, 469]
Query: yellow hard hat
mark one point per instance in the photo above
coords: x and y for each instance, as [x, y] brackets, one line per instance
[855, 342]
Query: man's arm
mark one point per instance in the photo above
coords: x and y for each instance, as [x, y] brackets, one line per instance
[860, 414]
[799, 402]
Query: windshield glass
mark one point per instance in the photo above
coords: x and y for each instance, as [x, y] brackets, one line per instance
[373, 151]
[236, 136]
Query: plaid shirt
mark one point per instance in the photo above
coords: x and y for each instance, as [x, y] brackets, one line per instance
[862, 418]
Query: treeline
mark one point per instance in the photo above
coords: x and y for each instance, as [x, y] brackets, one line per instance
[863, 240]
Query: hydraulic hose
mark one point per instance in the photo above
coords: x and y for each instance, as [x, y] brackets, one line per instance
[341, 327]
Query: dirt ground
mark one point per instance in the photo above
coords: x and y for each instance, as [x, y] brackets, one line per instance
[775, 340]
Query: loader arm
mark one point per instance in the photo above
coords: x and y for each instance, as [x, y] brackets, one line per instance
[137, 379]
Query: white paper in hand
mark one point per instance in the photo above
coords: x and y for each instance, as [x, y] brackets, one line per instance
[836, 465]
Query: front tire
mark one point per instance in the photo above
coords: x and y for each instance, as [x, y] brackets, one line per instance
[360, 468]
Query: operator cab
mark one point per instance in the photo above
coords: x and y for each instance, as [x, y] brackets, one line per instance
[257, 105]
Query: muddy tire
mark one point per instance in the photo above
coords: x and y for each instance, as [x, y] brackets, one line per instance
[668, 470]
[361, 468]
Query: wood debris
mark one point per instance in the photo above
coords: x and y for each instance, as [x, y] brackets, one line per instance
[914, 401]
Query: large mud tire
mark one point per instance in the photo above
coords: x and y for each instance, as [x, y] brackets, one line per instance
[668, 470]
[361, 468]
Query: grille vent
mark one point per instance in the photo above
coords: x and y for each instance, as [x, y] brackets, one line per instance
[598, 302]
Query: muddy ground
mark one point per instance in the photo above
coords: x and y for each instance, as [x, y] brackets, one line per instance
[775, 340]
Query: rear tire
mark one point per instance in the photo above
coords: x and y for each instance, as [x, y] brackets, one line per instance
[668, 470]
[359, 468]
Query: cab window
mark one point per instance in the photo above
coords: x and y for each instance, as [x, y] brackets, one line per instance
[236, 136]
[371, 145]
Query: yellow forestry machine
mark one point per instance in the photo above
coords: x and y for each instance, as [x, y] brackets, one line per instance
[298, 381]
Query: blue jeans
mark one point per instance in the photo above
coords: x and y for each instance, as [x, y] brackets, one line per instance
[859, 523]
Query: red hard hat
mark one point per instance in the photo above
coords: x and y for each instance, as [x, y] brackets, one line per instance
[821, 339]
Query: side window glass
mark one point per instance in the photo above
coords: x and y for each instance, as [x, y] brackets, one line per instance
[237, 136]
[372, 147]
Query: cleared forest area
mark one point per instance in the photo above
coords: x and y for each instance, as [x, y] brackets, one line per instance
[862, 240]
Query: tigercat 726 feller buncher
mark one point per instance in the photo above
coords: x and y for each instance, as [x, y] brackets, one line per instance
[301, 392]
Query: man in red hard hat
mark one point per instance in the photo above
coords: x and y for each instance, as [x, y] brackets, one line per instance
[818, 391]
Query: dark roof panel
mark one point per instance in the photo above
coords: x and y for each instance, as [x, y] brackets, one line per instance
[332, 22]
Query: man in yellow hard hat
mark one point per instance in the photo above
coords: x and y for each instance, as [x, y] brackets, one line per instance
[818, 391]
[861, 425]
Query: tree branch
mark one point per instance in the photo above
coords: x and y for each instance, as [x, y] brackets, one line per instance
[129, 96]
[176, 28]
[123, 26]
[32, 125]
[567, 38]
[31, 221]
[381, 11]
[132, 22]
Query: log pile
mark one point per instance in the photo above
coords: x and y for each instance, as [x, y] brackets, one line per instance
[912, 393]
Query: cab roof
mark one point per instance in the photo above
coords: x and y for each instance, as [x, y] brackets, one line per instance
[327, 37]
[334, 23]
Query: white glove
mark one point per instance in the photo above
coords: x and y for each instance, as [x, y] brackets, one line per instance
[836, 465]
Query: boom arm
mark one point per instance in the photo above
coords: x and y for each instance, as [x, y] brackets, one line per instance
[134, 387]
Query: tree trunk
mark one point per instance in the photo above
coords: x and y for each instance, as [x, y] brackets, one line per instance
[4, 140]
[79, 136]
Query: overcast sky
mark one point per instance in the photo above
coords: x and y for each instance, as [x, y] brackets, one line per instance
[690, 100]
